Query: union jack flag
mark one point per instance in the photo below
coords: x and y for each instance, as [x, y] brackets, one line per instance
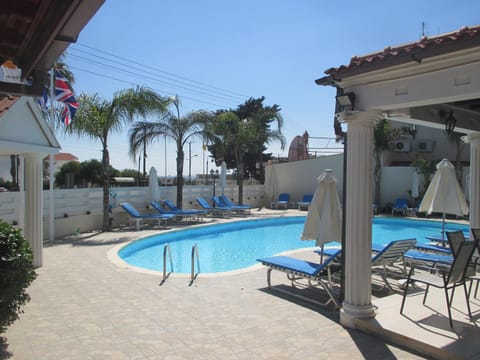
[69, 110]
[62, 90]
[64, 94]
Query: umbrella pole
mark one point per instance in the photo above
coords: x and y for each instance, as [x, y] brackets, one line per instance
[443, 227]
[321, 255]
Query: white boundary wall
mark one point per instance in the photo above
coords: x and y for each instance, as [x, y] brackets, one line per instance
[83, 207]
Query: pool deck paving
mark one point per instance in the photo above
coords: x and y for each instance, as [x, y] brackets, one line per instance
[86, 306]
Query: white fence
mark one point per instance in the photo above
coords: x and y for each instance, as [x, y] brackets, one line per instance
[82, 209]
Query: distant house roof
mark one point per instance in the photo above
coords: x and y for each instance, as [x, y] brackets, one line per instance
[65, 157]
[466, 37]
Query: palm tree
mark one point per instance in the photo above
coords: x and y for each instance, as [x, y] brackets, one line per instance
[180, 129]
[240, 134]
[383, 135]
[97, 118]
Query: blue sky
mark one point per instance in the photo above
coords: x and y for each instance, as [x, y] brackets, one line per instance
[216, 54]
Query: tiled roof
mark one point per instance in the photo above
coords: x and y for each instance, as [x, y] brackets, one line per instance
[65, 157]
[466, 37]
[6, 102]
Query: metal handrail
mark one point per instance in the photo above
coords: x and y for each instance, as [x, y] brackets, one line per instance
[166, 249]
[193, 275]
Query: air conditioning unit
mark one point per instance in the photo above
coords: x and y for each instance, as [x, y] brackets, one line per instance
[401, 146]
[425, 146]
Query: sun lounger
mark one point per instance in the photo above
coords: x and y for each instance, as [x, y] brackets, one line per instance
[392, 253]
[227, 202]
[176, 210]
[444, 241]
[305, 203]
[181, 215]
[432, 247]
[297, 269]
[214, 210]
[401, 206]
[385, 257]
[220, 204]
[138, 218]
[282, 202]
[421, 257]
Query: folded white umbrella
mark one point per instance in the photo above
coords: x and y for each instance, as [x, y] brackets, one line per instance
[444, 194]
[223, 177]
[324, 219]
[153, 188]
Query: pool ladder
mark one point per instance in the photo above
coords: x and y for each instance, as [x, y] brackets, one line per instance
[195, 256]
[193, 274]
[167, 250]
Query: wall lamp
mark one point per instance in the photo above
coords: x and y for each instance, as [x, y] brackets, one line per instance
[450, 122]
[346, 101]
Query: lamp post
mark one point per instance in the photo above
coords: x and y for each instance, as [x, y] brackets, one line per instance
[190, 162]
[190, 168]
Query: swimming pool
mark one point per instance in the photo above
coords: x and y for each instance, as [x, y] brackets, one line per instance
[237, 245]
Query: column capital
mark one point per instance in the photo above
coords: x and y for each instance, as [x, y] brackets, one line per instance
[365, 118]
[34, 156]
[472, 138]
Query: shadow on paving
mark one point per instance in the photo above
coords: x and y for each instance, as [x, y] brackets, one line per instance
[4, 353]
[370, 346]
[88, 240]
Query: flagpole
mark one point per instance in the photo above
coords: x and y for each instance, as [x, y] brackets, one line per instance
[51, 226]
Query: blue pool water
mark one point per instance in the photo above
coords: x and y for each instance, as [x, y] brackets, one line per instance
[233, 246]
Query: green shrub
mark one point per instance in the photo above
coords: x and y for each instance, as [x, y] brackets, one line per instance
[16, 273]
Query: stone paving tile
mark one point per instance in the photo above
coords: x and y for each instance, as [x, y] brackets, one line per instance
[85, 307]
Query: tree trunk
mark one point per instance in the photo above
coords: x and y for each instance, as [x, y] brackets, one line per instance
[240, 183]
[106, 189]
[180, 160]
[262, 170]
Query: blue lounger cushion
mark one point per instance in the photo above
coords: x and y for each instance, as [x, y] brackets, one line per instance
[431, 258]
[434, 248]
[438, 238]
[329, 251]
[293, 264]
[310, 269]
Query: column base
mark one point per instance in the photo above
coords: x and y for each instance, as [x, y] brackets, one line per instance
[348, 314]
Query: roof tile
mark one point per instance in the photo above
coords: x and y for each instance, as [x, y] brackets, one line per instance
[418, 50]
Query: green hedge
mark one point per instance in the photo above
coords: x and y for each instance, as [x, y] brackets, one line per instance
[16, 273]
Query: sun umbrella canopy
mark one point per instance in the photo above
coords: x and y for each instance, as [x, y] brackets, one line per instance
[444, 194]
[271, 186]
[324, 219]
[153, 188]
[223, 177]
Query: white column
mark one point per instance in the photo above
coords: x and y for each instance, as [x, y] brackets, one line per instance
[51, 208]
[474, 141]
[358, 212]
[21, 194]
[34, 205]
